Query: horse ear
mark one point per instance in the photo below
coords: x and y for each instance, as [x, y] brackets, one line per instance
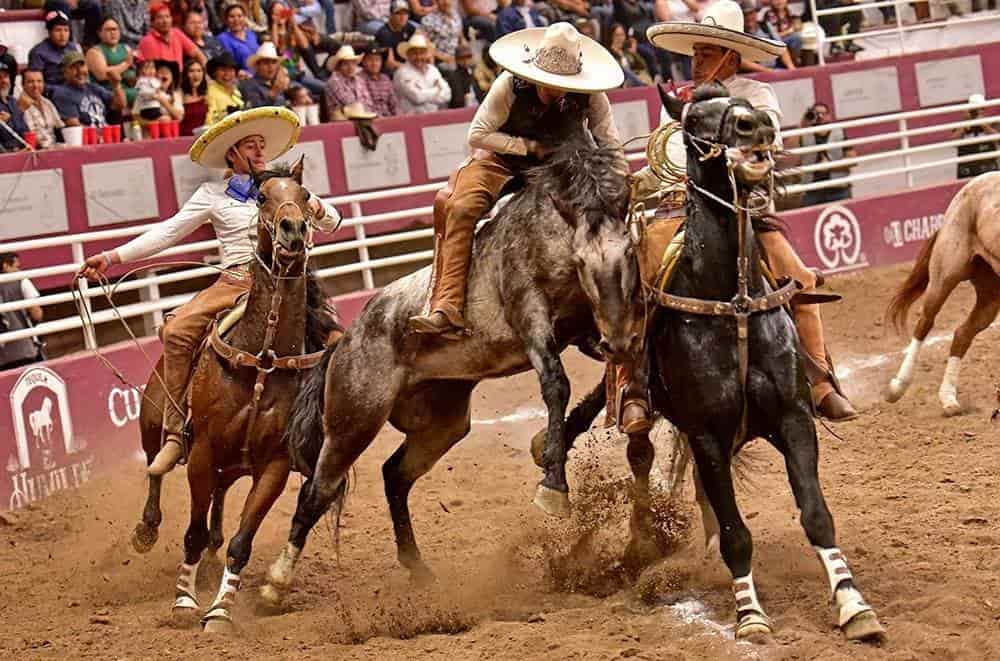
[673, 105]
[297, 169]
[565, 210]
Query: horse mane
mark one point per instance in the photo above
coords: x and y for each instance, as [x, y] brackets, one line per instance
[583, 176]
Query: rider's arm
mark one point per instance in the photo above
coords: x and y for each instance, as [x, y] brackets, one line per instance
[330, 219]
[602, 124]
[484, 133]
[197, 211]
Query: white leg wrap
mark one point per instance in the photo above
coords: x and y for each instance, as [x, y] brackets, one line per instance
[835, 565]
[849, 603]
[753, 619]
[226, 597]
[848, 599]
[948, 394]
[186, 593]
[902, 380]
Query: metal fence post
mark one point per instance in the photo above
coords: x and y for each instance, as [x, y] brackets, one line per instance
[89, 339]
[367, 278]
[899, 28]
[905, 142]
[820, 35]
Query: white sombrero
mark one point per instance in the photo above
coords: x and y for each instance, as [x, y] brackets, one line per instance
[558, 57]
[722, 25]
[267, 51]
[417, 42]
[279, 126]
[344, 53]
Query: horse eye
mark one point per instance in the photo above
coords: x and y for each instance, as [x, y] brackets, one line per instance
[261, 199]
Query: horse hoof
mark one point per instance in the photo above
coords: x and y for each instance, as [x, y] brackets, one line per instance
[183, 617]
[219, 622]
[952, 409]
[538, 448]
[422, 576]
[865, 627]
[270, 595]
[144, 537]
[754, 628]
[552, 502]
[640, 553]
[896, 390]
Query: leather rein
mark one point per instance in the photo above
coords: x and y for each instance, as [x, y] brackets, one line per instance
[741, 307]
[265, 361]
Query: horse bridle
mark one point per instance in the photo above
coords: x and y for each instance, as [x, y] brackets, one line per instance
[266, 361]
[742, 306]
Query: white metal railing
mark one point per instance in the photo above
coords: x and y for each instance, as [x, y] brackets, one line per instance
[900, 29]
[362, 242]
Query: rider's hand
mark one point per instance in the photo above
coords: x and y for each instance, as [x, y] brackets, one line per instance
[95, 266]
[316, 207]
[536, 149]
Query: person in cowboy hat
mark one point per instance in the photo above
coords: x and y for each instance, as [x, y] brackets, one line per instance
[222, 96]
[346, 88]
[244, 142]
[419, 84]
[553, 75]
[718, 45]
[270, 79]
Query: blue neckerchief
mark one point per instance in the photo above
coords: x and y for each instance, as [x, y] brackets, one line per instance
[242, 188]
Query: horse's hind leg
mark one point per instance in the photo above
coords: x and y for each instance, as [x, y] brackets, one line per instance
[987, 284]
[146, 532]
[946, 272]
[216, 534]
[736, 544]
[796, 439]
[434, 421]
[268, 485]
[642, 548]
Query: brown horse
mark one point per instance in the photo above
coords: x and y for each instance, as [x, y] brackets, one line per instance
[967, 247]
[242, 391]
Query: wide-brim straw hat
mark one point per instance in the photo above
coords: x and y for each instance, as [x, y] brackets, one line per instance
[558, 57]
[416, 42]
[357, 110]
[722, 25]
[279, 127]
[266, 51]
[344, 54]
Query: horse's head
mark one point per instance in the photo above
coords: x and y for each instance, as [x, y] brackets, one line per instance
[718, 126]
[608, 270]
[283, 221]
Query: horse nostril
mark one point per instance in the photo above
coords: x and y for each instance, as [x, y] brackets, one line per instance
[286, 226]
[744, 126]
[604, 346]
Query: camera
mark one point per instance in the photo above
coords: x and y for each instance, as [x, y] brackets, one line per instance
[810, 115]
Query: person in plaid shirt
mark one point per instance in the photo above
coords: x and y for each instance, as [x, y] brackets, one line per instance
[345, 85]
[444, 27]
[383, 96]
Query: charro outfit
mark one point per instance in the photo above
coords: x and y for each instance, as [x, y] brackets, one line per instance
[231, 207]
[511, 119]
[722, 26]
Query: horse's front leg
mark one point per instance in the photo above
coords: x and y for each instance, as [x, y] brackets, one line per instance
[552, 493]
[268, 485]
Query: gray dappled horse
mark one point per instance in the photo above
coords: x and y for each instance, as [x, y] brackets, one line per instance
[555, 267]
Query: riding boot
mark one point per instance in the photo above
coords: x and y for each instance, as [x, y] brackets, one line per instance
[631, 399]
[828, 398]
[182, 335]
[476, 187]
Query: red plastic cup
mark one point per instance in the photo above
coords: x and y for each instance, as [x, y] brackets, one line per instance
[154, 130]
[116, 133]
[175, 128]
[32, 139]
[90, 135]
[107, 134]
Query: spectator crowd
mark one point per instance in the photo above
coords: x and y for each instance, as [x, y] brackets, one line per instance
[149, 64]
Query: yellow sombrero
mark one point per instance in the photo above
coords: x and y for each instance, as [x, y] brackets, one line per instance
[279, 126]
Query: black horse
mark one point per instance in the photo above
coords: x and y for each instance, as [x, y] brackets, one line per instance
[699, 380]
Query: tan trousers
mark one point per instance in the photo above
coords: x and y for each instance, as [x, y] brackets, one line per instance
[183, 333]
[475, 188]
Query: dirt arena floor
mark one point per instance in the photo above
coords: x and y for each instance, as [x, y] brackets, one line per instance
[915, 496]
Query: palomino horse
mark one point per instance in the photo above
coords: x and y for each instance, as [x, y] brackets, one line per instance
[967, 247]
[555, 267]
[242, 393]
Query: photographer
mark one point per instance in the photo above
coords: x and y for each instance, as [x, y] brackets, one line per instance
[29, 350]
[817, 115]
[975, 168]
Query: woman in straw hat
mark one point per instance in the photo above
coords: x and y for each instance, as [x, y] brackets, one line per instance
[553, 75]
[244, 142]
[718, 45]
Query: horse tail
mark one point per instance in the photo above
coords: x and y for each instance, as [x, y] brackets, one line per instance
[912, 288]
[304, 433]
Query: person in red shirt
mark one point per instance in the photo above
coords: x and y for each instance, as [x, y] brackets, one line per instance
[164, 41]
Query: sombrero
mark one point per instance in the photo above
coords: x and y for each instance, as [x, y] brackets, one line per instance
[722, 25]
[344, 53]
[417, 42]
[279, 126]
[266, 51]
[558, 57]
